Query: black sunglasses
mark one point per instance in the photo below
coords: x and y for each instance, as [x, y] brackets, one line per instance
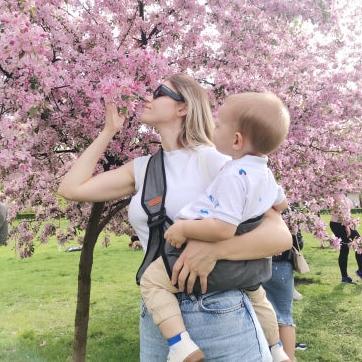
[163, 90]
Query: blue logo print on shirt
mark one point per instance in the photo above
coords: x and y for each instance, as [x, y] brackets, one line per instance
[214, 201]
[204, 211]
[242, 172]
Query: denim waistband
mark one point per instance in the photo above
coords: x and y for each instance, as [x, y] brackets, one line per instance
[196, 297]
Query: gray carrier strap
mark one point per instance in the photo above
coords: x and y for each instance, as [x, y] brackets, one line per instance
[227, 274]
[153, 202]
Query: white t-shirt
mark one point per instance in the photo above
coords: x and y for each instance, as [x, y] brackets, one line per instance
[188, 173]
[243, 189]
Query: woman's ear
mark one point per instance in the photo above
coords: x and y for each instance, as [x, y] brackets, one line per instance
[238, 141]
[181, 109]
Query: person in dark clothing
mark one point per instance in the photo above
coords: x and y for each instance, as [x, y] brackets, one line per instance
[3, 224]
[340, 221]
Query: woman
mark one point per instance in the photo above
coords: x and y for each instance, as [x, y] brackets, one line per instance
[222, 324]
[340, 225]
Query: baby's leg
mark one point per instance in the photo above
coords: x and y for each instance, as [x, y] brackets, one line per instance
[159, 296]
[266, 314]
[268, 320]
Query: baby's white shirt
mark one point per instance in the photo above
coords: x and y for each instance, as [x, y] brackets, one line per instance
[245, 188]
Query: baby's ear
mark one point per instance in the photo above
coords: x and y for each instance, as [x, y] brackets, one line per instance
[238, 141]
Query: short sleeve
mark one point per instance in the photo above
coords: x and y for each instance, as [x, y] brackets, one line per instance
[280, 195]
[139, 168]
[227, 195]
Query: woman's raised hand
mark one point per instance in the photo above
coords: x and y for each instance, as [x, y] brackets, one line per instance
[114, 120]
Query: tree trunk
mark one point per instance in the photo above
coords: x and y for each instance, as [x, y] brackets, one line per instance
[84, 283]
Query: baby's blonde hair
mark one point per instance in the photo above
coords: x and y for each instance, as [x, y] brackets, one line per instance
[198, 124]
[262, 118]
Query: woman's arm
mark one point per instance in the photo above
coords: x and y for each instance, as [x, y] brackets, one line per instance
[270, 238]
[79, 185]
[199, 258]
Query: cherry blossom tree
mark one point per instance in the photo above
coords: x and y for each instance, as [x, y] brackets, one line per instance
[59, 59]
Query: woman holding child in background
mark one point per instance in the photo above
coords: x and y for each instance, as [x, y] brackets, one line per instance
[223, 324]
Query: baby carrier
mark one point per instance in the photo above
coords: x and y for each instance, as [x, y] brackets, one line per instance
[227, 275]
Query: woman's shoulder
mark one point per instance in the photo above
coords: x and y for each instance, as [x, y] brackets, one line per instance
[212, 154]
[212, 159]
[139, 168]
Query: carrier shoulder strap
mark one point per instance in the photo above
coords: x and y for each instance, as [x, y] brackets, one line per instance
[153, 202]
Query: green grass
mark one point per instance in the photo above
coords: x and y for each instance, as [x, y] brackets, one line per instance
[329, 317]
[38, 296]
[37, 304]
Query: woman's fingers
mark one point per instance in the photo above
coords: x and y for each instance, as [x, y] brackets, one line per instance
[203, 283]
[182, 277]
[176, 270]
[113, 119]
[191, 282]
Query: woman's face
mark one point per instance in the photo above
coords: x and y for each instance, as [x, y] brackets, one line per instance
[161, 110]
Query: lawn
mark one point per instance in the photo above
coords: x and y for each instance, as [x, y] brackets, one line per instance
[38, 295]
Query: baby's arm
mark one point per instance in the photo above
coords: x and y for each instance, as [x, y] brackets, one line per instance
[280, 207]
[209, 229]
[281, 202]
[221, 222]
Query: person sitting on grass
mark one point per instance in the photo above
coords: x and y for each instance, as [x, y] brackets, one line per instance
[250, 126]
[135, 243]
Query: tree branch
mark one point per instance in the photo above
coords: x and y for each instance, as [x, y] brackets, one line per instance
[114, 210]
[128, 30]
[207, 82]
[141, 8]
[320, 149]
[60, 87]
[6, 73]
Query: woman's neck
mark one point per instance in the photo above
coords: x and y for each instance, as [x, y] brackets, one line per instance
[170, 137]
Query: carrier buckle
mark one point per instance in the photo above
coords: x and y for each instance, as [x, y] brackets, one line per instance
[156, 219]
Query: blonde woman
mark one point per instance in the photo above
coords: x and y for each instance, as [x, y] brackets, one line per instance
[223, 324]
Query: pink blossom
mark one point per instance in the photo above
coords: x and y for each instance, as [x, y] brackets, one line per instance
[56, 66]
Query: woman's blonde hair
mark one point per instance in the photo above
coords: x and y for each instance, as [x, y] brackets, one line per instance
[198, 124]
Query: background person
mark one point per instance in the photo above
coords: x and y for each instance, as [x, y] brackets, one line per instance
[279, 290]
[3, 224]
[340, 225]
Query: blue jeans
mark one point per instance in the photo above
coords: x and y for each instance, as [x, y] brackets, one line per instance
[223, 325]
[279, 291]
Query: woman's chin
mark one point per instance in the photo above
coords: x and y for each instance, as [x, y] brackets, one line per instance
[147, 121]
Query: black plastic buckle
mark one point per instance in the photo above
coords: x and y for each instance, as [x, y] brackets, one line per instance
[157, 219]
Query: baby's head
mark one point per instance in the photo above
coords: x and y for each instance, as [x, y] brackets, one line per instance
[255, 123]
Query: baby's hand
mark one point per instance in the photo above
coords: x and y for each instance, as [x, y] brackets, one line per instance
[174, 234]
